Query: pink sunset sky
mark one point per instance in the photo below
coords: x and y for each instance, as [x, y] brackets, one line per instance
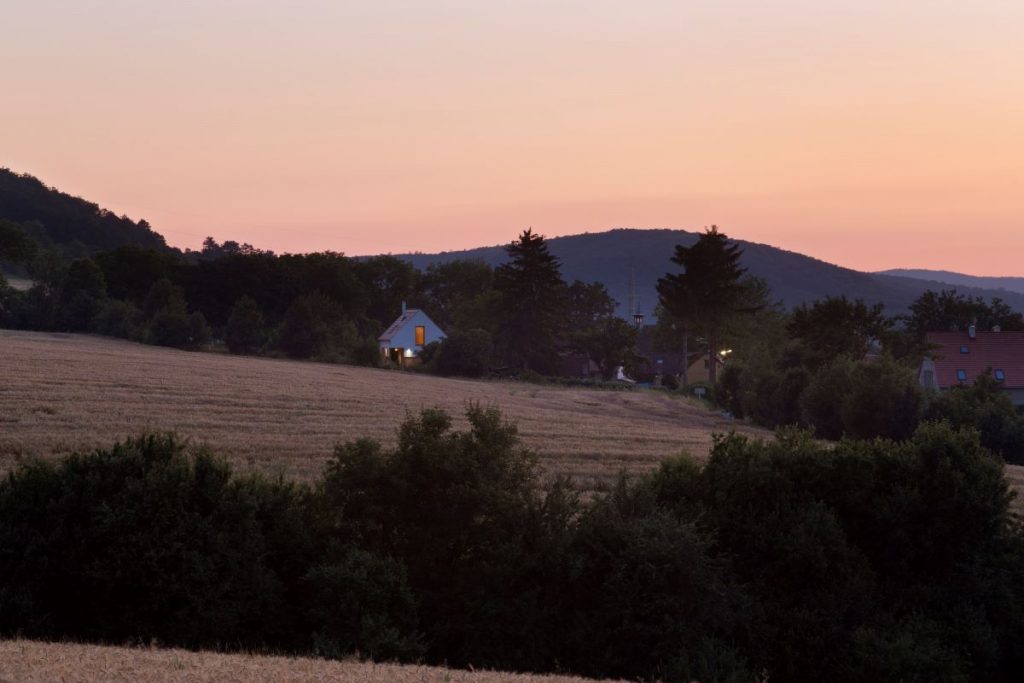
[870, 134]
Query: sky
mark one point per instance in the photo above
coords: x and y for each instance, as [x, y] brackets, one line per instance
[872, 134]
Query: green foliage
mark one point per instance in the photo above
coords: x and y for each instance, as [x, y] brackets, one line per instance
[836, 327]
[947, 310]
[164, 297]
[983, 405]
[532, 301]
[387, 281]
[65, 221]
[466, 353]
[169, 328]
[454, 293]
[147, 540]
[709, 292]
[863, 400]
[314, 326]
[462, 511]
[362, 603]
[822, 401]
[246, 331]
[117, 318]
[610, 343]
[786, 560]
[15, 245]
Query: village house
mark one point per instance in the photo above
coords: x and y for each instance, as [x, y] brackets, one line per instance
[958, 358]
[402, 342]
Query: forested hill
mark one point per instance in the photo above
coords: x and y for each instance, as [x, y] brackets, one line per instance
[74, 225]
[608, 257]
[1010, 284]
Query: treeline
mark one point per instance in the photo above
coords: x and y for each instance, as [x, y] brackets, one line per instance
[326, 306]
[843, 368]
[68, 225]
[783, 560]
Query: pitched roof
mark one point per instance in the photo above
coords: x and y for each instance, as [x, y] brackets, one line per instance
[997, 350]
[399, 323]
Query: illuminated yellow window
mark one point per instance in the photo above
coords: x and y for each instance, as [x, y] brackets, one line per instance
[421, 335]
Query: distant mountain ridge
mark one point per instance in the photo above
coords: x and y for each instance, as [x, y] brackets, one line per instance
[794, 278]
[1009, 284]
[72, 224]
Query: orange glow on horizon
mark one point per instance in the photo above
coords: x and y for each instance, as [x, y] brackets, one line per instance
[864, 134]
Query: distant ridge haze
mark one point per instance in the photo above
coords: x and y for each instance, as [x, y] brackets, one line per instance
[794, 278]
[1007, 283]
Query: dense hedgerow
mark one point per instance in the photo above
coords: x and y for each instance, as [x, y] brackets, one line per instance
[865, 560]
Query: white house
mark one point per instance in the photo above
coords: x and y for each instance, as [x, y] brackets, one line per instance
[403, 341]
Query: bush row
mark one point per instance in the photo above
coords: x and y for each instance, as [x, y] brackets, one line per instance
[785, 560]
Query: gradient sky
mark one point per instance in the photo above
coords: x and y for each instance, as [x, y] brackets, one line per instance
[871, 134]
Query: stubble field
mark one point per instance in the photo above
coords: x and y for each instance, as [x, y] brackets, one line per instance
[24, 661]
[60, 393]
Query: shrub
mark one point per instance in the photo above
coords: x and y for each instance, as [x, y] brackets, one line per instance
[198, 331]
[246, 330]
[465, 353]
[150, 539]
[169, 328]
[117, 319]
[362, 603]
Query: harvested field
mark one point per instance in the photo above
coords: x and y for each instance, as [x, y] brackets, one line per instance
[62, 392]
[23, 661]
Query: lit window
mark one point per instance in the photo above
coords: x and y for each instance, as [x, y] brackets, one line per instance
[964, 349]
[999, 375]
[421, 335]
[961, 375]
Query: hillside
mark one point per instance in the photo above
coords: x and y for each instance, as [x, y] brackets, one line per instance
[959, 280]
[608, 257]
[65, 392]
[27, 661]
[54, 217]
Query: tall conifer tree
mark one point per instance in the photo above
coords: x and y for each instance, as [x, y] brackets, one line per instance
[533, 309]
[708, 291]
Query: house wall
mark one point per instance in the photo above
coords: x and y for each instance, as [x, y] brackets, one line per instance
[405, 338]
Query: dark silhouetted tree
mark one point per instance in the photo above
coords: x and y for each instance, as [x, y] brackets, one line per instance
[246, 330]
[533, 295]
[708, 292]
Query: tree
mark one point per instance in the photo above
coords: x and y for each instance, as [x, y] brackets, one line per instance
[708, 292]
[610, 343]
[15, 244]
[388, 281]
[532, 302]
[245, 331]
[837, 326]
[314, 325]
[589, 304]
[465, 353]
[947, 310]
[82, 295]
[451, 290]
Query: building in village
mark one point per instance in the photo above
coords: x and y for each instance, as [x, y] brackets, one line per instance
[958, 358]
[403, 341]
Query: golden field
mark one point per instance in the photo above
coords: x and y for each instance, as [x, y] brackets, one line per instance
[62, 392]
[23, 661]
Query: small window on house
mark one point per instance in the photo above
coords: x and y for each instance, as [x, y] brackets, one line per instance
[421, 335]
[999, 375]
[961, 375]
[964, 349]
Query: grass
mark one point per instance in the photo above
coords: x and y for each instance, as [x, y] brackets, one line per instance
[63, 392]
[33, 662]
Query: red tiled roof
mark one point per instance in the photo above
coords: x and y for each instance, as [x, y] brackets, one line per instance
[997, 350]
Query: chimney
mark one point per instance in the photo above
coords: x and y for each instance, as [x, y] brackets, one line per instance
[403, 313]
[972, 331]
